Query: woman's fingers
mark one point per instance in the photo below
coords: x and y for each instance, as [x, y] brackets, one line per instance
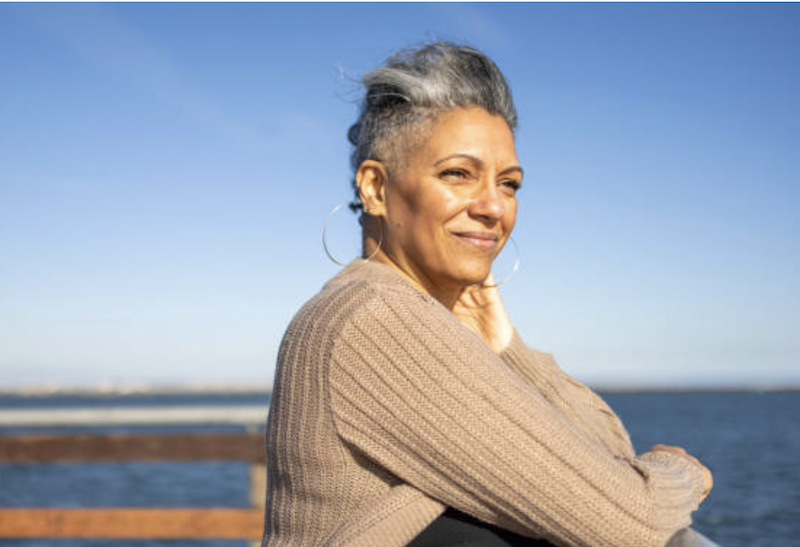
[482, 310]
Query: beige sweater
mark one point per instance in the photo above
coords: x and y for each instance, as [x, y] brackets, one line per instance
[386, 409]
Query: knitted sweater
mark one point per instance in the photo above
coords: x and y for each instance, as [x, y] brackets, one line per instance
[386, 410]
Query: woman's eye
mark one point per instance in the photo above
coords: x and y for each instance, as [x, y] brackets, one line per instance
[513, 185]
[455, 173]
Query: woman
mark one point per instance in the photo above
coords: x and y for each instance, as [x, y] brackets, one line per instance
[406, 408]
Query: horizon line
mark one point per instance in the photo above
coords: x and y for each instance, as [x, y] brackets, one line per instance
[229, 389]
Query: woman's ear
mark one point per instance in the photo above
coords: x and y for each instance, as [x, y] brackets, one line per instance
[371, 179]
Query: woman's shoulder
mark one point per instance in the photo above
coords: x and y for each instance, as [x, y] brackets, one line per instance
[359, 287]
[367, 281]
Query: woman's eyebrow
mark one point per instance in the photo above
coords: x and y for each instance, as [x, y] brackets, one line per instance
[460, 155]
[513, 169]
[479, 162]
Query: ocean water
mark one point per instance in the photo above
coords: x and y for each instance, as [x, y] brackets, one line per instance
[750, 441]
[751, 444]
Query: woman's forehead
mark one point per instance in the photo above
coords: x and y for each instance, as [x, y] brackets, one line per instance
[469, 134]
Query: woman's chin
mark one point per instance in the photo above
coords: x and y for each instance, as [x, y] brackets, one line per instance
[474, 274]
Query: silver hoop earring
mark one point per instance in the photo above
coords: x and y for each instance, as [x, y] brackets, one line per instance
[325, 230]
[513, 269]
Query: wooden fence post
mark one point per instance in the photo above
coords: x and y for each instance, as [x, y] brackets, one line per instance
[258, 490]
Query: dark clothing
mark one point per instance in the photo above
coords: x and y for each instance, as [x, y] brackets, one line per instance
[456, 529]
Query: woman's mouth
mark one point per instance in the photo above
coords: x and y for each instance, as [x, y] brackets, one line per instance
[482, 240]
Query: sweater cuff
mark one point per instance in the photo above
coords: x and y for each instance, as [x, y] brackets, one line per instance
[674, 464]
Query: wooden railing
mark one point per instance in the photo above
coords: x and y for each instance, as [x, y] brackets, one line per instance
[153, 523]
[137, 523]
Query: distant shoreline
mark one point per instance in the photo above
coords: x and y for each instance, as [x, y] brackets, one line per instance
[105, 391]
[697, 389]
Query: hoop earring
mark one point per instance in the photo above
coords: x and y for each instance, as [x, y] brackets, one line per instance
[513, 269]
[325, 230]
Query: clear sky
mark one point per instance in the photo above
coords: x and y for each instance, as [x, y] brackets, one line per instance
[165, 170]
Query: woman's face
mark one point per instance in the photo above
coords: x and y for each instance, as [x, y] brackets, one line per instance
[451, 204]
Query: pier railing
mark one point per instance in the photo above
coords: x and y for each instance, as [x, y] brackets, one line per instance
[153, 523]
[128, 522]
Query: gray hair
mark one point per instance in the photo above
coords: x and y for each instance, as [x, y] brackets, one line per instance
[415, 86]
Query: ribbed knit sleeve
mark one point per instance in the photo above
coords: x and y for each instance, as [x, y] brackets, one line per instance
[417, 392]
[578, 402]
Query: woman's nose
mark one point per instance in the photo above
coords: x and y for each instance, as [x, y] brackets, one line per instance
[488, 203]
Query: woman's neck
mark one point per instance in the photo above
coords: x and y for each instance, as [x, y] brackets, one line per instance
[374, 246]
[447, 296]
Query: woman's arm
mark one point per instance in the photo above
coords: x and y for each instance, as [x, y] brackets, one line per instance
[482, 310]
[427, 399]
[584, 407]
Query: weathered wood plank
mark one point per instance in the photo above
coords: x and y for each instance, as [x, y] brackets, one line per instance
[245, 447]
[245, 524]
[58, 417]
[258, 490]
[258, 485]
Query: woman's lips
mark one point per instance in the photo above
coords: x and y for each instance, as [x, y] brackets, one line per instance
[482, 240]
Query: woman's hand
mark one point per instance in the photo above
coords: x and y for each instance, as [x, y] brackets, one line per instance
[482, 310]
[708, 479]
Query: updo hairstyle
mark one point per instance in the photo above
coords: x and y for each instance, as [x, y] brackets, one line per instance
[415, 86]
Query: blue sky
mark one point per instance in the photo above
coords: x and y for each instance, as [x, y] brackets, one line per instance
[165, 170]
